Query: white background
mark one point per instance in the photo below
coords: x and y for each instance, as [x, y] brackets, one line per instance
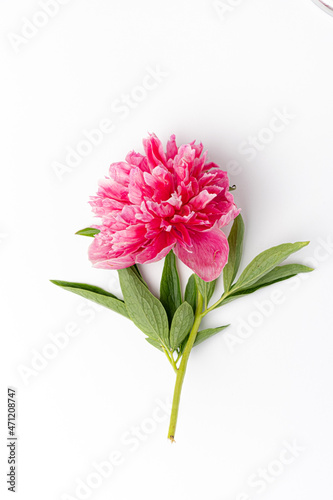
[223, 77]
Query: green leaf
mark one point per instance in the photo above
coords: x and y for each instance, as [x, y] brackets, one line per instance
[155, 343]
[206, 334]
[95, 294]
[202, 286]
[88, 231]
[191, 292]
[170, 292]
[181, 324]
[264, 263]
[210, 289]
[137, 271]
[279, 273]
[235, 241]
[144, 309]
[206, 288]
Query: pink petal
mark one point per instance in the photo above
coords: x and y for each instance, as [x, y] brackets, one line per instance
[154, 151]
[197, 148]
[137, 160]
[129, 240]
[172, 149]
[136, 186]
[201, 200]
[158, 248]
[228, 217]
[119, 172]
[183, 162]
[99, 254]
[160, 181]
[113, 190]
[208, 255]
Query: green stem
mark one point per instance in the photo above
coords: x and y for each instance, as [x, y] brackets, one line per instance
[178, 357]
[170, 358]
[224, 296]
[182, 368]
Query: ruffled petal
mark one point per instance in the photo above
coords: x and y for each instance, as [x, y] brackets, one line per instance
[208, 254]
[99, 254]
[171, 149]
[157, 249]
[154, 151]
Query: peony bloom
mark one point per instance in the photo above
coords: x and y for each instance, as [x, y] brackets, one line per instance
[160, 201]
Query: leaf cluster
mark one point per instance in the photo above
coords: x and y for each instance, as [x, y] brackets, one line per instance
[167, 320]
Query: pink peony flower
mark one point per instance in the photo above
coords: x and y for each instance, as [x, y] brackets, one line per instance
[161, 201]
